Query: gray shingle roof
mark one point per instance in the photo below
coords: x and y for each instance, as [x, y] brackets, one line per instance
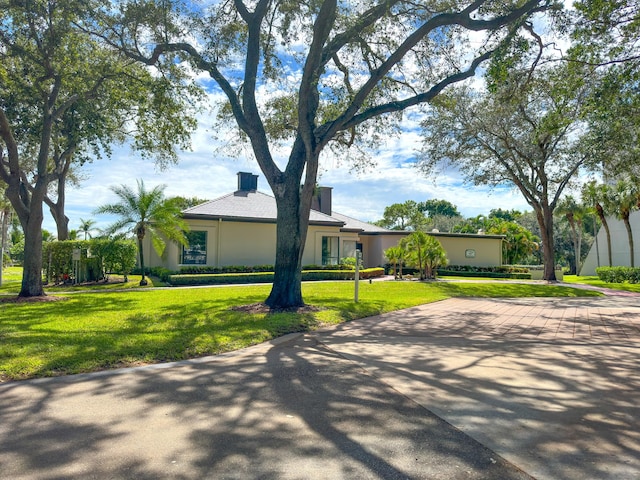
[254, 206]
[250, 206]
[354, 224]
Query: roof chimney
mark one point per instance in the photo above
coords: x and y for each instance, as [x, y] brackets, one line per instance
[321, 201]
[247, 182]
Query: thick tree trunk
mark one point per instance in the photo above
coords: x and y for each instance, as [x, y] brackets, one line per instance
[293, 222]
[57, 210]
[32, 266]
[545, 222]
[29, 208]
[62, 221]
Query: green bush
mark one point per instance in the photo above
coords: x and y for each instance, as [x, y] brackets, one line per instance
[494, 269]
[267, 277]
[16, 252]
[327, 267]
[483, 274]
[116, 256]
[219, 278]
[195, 269]
[618, 274]
[161, 272]
[98, 258]
[349, 261]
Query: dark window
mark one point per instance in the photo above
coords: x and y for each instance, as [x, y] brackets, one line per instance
[196, 251]
[330, 251]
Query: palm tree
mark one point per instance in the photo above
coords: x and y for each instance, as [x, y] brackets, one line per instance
[574, 213]
[146, 212]
[518, 243]
[86, 226]
[598, 196]
[625, 199]
[434, 256]
[396, 255]
[416, 246]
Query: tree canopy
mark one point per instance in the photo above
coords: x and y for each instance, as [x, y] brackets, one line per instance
[435, 207]
[522, 131]
[66, 98]
[403, 216]
[301, 76]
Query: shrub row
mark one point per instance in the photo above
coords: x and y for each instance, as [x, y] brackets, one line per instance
[619, 274]
[496, 269]
[483, 274]
[200, 269]
[267, 277]
[503, 271]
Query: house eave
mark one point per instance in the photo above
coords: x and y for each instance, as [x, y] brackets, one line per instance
[227, 218]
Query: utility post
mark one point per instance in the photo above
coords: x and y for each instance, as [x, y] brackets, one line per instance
[357, 275]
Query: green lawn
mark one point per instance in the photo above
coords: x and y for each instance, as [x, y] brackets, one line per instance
[98, 330]
[596, 282]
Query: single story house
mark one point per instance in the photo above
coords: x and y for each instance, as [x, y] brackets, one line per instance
[240, 229]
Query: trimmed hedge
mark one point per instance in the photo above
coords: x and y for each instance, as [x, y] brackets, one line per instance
[201, 269]
[496, 269]
[503, 271]
[619, 274]
[267, 277]
[459, 273]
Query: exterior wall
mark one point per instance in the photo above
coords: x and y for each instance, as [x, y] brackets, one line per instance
[373, 247]
[313, 248]
[171, 257]
[598, 255]
[488, 251]
[252, 243]
[244, 243]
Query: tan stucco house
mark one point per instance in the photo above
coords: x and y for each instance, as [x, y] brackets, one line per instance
[240, 229]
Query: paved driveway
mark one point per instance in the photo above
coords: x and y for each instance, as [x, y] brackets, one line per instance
[552, 385]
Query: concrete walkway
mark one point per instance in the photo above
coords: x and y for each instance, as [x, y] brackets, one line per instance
[542, 387]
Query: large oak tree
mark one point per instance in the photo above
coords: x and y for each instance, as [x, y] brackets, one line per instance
[522, 131]
[308, 75]
[64, 98]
